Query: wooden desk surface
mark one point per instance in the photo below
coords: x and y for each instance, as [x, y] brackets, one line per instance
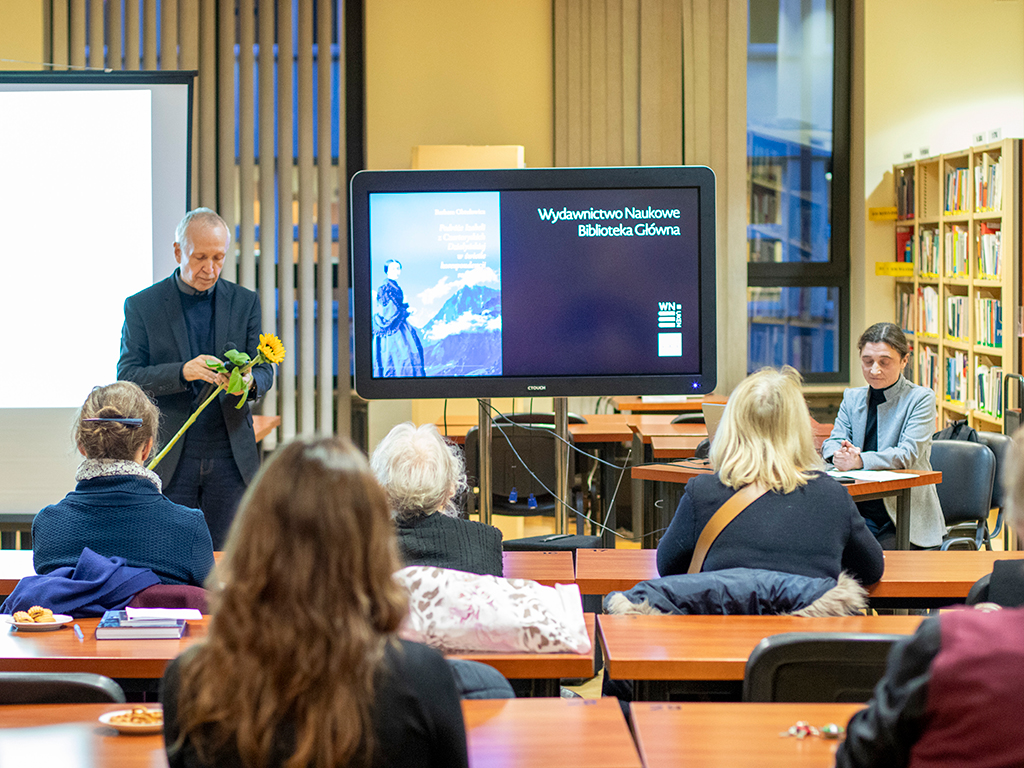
[539, 733]
[675, 446]
[712, 647]
[682, 405]
[541, 665]
[911, 574]
[611, 430]
[735, 734]
[264, 425]
[548, 568]
[62, 651]
[76, 738]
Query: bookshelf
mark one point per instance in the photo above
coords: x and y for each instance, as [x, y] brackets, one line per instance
[958, 221]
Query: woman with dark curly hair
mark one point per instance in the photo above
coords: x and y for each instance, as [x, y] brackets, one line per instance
[302, 666]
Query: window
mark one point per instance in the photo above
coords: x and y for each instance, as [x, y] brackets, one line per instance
[798, 84]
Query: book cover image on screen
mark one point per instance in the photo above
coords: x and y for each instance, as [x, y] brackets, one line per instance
[535, 282]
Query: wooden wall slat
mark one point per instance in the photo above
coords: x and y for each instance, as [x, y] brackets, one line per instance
[132, 42]
[701, 83]
[59, 33]
[95, 32]
[650, 91]
[307, 207]
[689, 119]
[326, 184]
[671, 81]
[631, 82]
[114, 37]
[285, 193]
[343, 402]
[76, 44]
[246, 145]
[149, 41]
[561, 77]
[188, 40]
[168, 34]
[574, 65]
[227, 170]
[598, 90]
[207, 84]
[268, 205]
[613, 82]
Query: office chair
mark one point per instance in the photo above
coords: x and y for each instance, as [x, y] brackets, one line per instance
[965, 493]
[999, 444]
[689, 418]
[816, 666]
[51, 688]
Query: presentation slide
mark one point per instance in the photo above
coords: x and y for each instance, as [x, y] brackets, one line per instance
[76, 237]
[535, 282]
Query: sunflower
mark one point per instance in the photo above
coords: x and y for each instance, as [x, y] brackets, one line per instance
[271, 348]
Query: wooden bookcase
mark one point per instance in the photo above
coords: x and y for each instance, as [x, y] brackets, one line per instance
[953, 299]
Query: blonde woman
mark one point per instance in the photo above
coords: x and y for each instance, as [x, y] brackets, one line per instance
[806, 523]
[301, 666]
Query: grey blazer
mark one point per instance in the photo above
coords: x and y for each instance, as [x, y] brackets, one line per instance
[906, 421]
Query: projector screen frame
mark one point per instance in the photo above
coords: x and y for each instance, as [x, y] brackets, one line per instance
[365, 183]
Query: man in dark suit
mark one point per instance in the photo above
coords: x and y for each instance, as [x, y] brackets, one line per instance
[171, 330]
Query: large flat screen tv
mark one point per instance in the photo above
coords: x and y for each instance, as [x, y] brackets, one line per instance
[554, 281]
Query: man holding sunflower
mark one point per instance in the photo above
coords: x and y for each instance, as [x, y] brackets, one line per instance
[174, 335]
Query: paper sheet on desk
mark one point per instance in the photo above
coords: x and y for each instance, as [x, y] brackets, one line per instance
[873, 475]
[188, 614]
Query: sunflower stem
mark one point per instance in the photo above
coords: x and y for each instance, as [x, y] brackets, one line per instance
[188, 423]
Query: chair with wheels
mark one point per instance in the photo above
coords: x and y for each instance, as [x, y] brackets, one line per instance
[51, 688]
[523, 446]
[999, 444]
[829, 667]
[965, 493]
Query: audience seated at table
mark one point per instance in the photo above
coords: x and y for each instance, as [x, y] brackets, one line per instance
[953, 692]
[422, 476]
[806, 523]
[888, 425]
[302, 665]
[117, 508]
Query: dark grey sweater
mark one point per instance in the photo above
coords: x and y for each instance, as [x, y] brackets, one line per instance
[449, 542]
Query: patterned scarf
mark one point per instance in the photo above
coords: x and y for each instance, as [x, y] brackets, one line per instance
[93, 468]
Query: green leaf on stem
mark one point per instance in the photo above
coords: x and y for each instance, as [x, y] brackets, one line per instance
[236, 357]
[235, 383]
[216, 365]
[242, 398]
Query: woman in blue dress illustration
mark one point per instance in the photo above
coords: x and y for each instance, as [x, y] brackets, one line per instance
[397, 350]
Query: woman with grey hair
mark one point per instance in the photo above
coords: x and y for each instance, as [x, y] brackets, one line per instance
[422, 475]
[954, 689]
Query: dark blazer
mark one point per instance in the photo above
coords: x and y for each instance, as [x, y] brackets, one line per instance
[154, 347]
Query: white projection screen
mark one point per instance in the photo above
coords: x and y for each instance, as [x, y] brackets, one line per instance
[94, 177]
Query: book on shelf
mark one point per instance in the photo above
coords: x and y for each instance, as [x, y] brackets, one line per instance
[905, 195]
[906, 311]
[928, 309]
[905, 245]
[929, 252]
[988, 184]
[928, 366]
[956, 377]
[988, 322]
[989, 249]
[957, 183]
[956, 318]
[115, 625]
[956, 251]
[988, 386]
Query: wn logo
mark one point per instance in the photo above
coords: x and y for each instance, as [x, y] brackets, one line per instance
[670, 314]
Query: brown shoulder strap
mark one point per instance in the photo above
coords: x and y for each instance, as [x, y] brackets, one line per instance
[724, 515]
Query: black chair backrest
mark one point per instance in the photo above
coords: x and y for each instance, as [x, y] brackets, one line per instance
[535, 446]
[817, 666]
[538, 417]
[51, 688]
[968, 474]
[998, 443]
[689, 418]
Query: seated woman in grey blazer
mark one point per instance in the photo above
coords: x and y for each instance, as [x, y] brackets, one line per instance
[888, 425]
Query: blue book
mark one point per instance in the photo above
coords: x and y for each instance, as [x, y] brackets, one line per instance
[115, 625]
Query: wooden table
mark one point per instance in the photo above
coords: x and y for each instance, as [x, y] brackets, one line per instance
[548, 568]
[709, 649]
[538, 733]
[505, 733]
[62, 651]
[862, 490]
[911, 577]
[682, 405]
[71, 735]
[675, 446]
[714, 735]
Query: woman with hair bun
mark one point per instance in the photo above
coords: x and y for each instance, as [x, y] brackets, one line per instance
[302, 665]
[117, 508]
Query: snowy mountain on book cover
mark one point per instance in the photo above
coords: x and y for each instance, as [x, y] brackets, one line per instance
[464, 337]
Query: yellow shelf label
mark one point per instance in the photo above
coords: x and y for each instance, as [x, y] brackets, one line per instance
[894, 268]
[887, 213]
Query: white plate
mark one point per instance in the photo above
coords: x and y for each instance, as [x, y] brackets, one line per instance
[59, 620]
[132, 727]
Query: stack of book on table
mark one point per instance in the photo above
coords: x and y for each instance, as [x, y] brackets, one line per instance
[144, 624]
